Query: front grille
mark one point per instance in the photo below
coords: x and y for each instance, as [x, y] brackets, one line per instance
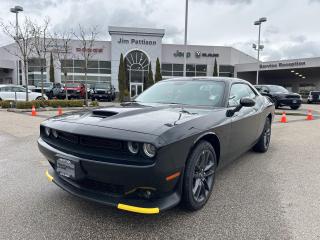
[72, 91]
[292, 96]
[94, 148]
[100, 142]
[64, 136]
[101, 92]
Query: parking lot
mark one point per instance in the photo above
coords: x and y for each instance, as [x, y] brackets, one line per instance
[260, 196]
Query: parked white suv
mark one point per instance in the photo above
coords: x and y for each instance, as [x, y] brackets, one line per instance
[16, 92]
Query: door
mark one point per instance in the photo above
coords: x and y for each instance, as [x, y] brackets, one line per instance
[7, 93]
[21, 93]
[135, 89]
[245, 123]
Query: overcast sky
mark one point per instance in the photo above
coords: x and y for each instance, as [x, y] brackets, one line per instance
[292, 29]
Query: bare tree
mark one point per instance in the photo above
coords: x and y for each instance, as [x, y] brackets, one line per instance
[62, 51]
[41, 44]
[87, 37]
[24, 44]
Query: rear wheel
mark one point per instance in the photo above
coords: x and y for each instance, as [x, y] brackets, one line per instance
[263, 144]
[199, 176]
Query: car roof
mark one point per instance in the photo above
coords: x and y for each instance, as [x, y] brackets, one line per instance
[267, 85]
[224, 79]
[10, 85]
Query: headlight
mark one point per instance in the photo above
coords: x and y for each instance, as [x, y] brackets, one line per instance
[55, 133]
[47, 131]
[149, 150]
[133, 147]
[108, 92]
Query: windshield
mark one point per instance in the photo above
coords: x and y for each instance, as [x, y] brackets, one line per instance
[102, 86]
[194, 93]
[72, 85]
[275, 88]
[45, 84]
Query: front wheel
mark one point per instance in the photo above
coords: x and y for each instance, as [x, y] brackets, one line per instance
[40, 98]
[263, 144]
[294, 107]
[199, 176]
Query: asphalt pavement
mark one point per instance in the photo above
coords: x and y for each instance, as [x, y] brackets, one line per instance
[275, 195]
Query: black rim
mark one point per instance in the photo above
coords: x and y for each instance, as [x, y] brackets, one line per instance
[203, 176]
[267, 135]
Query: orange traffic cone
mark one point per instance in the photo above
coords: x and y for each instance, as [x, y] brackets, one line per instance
[59, 111]
[33, 111]
[283, 117]
[309, 116]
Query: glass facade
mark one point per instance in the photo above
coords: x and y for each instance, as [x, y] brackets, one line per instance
[171, 69]
[34, 71]
[226, 70]
[98, 71]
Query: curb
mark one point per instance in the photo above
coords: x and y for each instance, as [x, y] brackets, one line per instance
[296, 114]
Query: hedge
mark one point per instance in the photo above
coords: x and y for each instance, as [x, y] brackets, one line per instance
[6, 104]
[42, 103]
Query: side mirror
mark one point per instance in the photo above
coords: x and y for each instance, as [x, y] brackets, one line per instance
[244, 102]
[247, 102]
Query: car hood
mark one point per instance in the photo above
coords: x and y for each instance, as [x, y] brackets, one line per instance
[142, 119]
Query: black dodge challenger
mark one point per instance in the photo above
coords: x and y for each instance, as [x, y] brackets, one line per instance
[161, 149]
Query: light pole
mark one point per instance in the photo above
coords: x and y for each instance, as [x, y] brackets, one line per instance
[259, 46]
[185, 40]
[16, 10]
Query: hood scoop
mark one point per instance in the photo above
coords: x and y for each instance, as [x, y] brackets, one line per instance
[103, 113]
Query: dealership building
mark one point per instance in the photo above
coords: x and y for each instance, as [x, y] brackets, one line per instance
[141, 47]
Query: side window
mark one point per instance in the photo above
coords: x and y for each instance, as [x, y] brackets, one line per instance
[17, 89]
[252, 94]
[7, 89]
[238, 91]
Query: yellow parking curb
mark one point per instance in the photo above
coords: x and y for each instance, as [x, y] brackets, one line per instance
[138, 209]
[50, 178]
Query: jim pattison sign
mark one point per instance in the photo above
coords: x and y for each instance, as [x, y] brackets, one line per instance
[137, 41]
[282, 65]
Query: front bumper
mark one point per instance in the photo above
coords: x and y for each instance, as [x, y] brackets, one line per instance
[133, 175]
[101, 96]
[289, 102]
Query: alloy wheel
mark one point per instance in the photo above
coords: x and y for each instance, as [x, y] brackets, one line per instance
[203, 176]
[267, 135]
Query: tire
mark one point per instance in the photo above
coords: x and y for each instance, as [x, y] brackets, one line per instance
[40, 98]
[50, 95]
[199, 176]
[264, 140]
[294, 107]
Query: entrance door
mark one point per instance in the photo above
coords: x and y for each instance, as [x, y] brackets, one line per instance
[137, 65]
[135, 89]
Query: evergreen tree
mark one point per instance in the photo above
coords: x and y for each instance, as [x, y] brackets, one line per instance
[121, 79]
[215, 68]
[51, 71]
[158, 76]
[126, 73]
[149, 80]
